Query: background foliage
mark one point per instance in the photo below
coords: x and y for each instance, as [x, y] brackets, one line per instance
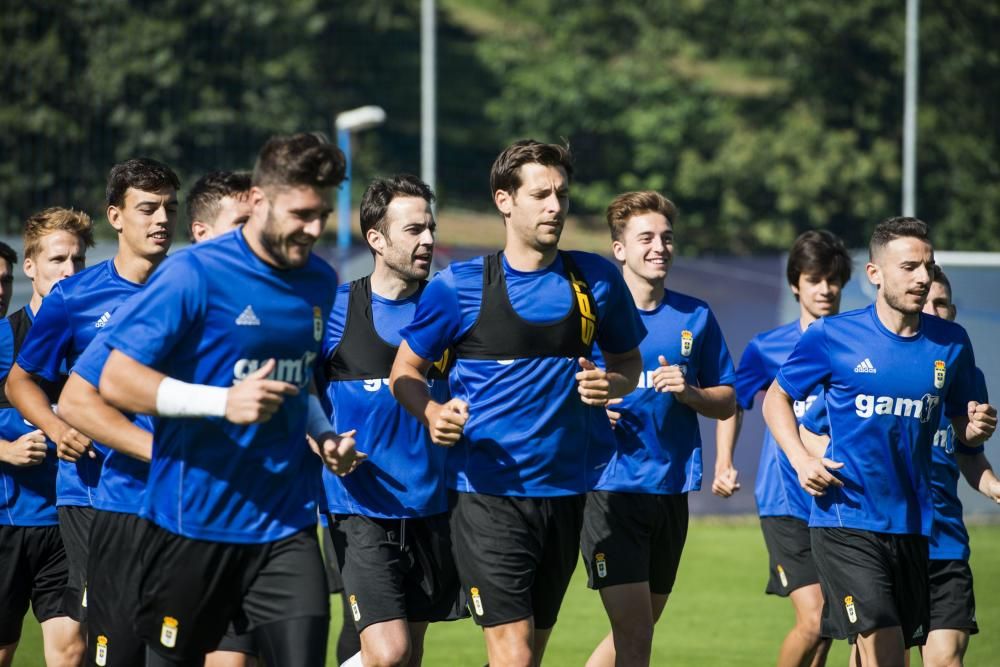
[760, 118]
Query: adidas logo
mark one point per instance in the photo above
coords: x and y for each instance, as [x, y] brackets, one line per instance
[919, 632]
[248, 318]
[865, 366]
[102, 320]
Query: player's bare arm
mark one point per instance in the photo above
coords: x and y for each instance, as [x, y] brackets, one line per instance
[976, 427]
[31, 401]
[814, 472]
[727, 431]
[978, 472]
[712, 402]
[135, 387]
[82, 407]
[408, 384]
[815, 443]
[28, 450]
[598, 385]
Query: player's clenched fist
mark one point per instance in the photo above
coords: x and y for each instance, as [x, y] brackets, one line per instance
[670, 379]
[256, 399]
[814, 475]
[71, 444]
[446, 422]
[593, 384]
[339, 452]
[982, 420]
[28, 450]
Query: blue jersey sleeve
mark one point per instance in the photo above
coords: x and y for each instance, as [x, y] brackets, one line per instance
[48, 340]
[808, 365]
[982, 396]
[716, 366]
[437, 323]
[6, 348]
[620, 327]
[751, 376]
[336, 322]
[816, 418]
[90, 364]
[963, 387]
[151, 322]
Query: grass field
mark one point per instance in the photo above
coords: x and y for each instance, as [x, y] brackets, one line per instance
[717, 615]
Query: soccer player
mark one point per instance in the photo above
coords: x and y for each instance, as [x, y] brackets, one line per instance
[635, 521]
[887, 371]
[527, 422]
[218, 202]
[142, 205]
[388, 518]
[221, 348]
[817, 270]
[32, 558]
[8, 258]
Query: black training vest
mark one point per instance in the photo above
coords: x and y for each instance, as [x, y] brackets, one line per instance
[500, 333]
[20, 324]
[362, 354]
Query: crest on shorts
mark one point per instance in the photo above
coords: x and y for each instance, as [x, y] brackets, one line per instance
[355, 609]
[317, 324]
[940, 371]
[602, 565]
[101, 657]
[852, 614]
[687, 342]
[477, 602]
[781, 575]
[168, 632]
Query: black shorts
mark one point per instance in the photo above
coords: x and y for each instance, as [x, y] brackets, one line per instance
[238, 642]
[629, 538]
[789, 553]
[113, 571]
[396, 568]
[191, 590]
[515, 556]
[32, 570]
[74, 527]
[872, 580]
[953, 604]
[333, 579]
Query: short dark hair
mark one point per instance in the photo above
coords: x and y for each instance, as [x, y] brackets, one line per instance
[141, 173]
[8, 253]
[818, 252]
[505, 174]
[630, 204]
[380, 194]
[891, 229]
[203, 202]
[938, 276]
[304, 159]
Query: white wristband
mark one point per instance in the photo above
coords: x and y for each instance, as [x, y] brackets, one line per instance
[317, 423]
[183, 399]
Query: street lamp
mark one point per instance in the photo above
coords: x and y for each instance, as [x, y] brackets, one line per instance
[355, 120]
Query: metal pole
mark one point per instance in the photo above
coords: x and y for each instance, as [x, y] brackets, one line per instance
[344, 194]
[428, 90]
[910, 110]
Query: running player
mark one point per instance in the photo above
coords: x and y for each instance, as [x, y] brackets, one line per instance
[527, 422]
[635, 522]
[887, 371]
[142, 206]
[8, 258]
[32, 558]
[237, 322]
[218, 202]
[398, 496]
[818, 268]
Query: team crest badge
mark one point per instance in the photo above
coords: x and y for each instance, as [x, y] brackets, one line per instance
[602, 565]
[355, 609]
[940, 371]
[687, 342]
[477, 602]
[852, 614]
[101, 658]
[317, 324]
[781, 575]
[168, 632]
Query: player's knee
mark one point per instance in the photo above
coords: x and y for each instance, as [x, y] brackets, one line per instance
[386, 654]
[68, 654]
[939, 655]
[634, 640]
[7, 654]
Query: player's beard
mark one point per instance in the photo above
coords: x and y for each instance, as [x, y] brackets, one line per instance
[280, 247]
[897, 302]
[401, 263]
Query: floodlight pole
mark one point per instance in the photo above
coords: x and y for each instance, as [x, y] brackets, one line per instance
[346, 123]
[910, 109]
[428, 91]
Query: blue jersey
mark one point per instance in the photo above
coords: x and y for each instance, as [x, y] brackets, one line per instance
[776, 489]
[659, 443]
[403, 476]
[27, 493]
[212, 314]
[123, 478]
[528, 432]
[884, 395]
[949, 540]
[71, 315]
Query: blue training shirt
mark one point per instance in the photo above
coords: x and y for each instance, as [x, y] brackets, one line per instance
[528, 432]
[776, 489]
[884, 396]
[71, 315]
[659, 442]
[403, 476]
[27, 493]
[212, 314]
